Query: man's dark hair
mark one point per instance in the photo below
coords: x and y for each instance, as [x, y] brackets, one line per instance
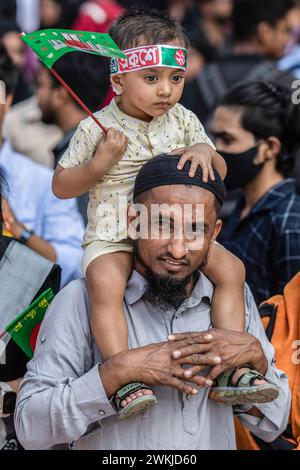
[268, 111]
[248, 14]
[8, 9]
[141, 27]
[8, 26]
[8, 71]
[87, 75]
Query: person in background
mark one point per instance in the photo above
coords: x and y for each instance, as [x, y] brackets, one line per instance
[215, 17]
[261, 32]
[256, 128]
[8, 9]
[21, 287]
[25, 119]
[9, 36]
[32, 214]
[58, 13]
[28, 15]
[201, 51]
[88, 76]
[291, 60]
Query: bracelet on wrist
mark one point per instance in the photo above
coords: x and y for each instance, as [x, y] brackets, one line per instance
[25, 235]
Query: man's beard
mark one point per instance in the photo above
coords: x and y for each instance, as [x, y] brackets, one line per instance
[164, 291]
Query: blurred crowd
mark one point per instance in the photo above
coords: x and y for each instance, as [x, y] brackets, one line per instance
[231, 41]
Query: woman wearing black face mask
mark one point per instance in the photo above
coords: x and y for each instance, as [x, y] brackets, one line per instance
[257, 131]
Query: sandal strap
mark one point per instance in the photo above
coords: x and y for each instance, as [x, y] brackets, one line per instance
[225, 379]
[248, 378]
[125, 391]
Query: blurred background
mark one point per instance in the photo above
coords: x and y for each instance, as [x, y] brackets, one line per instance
[229, 39]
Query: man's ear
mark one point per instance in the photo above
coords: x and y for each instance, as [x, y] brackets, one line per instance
[269, 149]
[264, 33]
[60, 96]
[217, 230]
[117, 83]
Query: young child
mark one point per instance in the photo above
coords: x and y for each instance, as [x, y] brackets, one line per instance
[144, 121]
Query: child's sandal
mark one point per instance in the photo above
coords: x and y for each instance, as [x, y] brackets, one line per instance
[136, 406]
[244, 391]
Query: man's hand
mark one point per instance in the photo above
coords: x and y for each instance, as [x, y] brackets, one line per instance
[234, 349]
[153, 365]
[109, 151]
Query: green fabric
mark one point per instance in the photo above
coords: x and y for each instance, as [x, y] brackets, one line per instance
[249, 377]
[225, 379]
[51, 44]
[22, 328]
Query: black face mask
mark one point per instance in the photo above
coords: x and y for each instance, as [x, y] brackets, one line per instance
[241, 168]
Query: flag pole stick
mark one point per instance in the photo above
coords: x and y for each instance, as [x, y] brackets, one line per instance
[84, 107]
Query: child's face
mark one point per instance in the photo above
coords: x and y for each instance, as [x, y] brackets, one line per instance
[150, 93]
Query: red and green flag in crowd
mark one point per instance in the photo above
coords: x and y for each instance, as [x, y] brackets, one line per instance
[52, 44]
[24, 329]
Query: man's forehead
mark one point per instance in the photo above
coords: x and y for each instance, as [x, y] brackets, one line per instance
[179, 194]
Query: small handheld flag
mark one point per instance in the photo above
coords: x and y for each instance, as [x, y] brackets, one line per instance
[52, 44]
[24, 329]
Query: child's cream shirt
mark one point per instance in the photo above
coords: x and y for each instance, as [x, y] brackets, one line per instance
[106, 211]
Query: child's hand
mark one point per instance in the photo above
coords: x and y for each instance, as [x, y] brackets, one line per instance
[200, 155]
[111, 148]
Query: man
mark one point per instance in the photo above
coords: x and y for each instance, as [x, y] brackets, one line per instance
[256, 129]
[214, 21]
[9, 37]
[51, 227]
[65, 394]
[261, 33]
[88, 76]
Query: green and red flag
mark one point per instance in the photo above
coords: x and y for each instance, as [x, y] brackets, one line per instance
[52, 44]
[24, 329]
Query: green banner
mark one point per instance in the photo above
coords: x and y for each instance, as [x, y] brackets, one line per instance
[51, 44]
[24, 329]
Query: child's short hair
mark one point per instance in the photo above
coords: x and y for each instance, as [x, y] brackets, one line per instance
[141, 27]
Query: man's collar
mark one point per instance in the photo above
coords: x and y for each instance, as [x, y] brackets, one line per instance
[137, 286]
